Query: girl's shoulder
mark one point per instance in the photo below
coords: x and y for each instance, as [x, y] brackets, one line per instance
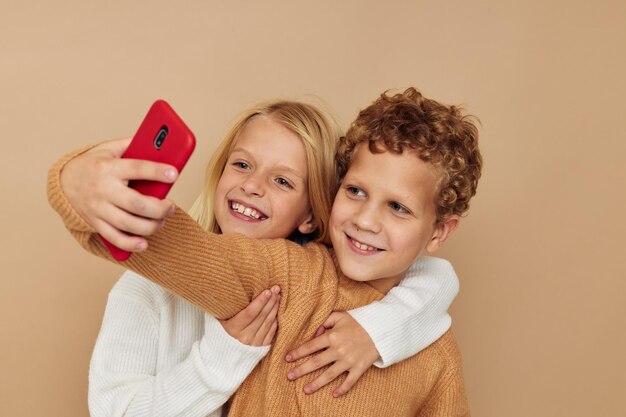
[139, 289]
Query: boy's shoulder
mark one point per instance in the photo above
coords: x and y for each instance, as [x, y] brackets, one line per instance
[447, 349]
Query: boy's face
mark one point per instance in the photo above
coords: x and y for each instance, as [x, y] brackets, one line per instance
[384, 216]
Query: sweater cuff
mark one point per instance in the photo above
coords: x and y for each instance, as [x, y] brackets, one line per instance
[57, 198]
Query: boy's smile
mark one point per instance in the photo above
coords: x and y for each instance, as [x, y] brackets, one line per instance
[384, 216]
[263, 191]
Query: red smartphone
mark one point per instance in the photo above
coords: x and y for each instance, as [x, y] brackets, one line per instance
[161, 137]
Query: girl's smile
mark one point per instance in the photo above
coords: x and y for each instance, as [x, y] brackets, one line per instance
[246, 212]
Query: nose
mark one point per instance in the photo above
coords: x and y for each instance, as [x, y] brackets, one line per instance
[367, 218]
[253, 185]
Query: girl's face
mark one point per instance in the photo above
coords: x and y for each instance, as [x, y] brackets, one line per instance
[263, 191]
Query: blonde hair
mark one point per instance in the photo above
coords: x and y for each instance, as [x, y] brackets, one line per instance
[319, 135]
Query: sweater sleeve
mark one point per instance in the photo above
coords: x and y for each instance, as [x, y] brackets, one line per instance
[218, 273]
[124, 377]
[413, 314]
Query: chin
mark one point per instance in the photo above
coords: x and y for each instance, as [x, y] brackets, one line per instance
[356, 275]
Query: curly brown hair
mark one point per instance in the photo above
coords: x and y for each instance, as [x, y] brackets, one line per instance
[441, 135]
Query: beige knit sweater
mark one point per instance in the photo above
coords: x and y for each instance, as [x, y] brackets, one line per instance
[221, 274]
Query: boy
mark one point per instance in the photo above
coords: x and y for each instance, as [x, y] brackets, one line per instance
[409, 167]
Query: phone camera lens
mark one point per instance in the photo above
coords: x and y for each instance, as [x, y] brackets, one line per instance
[160, 137]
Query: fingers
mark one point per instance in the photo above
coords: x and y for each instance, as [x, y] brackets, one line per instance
[266, 332]
[123, 241]
[271, 333]
[262, 322]
[320, 331]
[256, 324]
[313, 364]
[349, 382]
[332, 319]
[345, 344]
[327, 376]
[117, 147]
[329, 323]
[135, 225]
[249, 314]
[140, 169]
[95, 184]
[314, 345]
[137, 204]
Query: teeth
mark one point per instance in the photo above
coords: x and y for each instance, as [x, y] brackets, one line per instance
[363, 246]
[246, 211]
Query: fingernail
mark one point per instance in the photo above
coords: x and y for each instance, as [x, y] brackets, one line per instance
[161, 224]
[276, 289]
[170, 174]
[267, 293]
[289, 358]
[171, 210]
[335, 394]
[308, 390]
[291, 375]
[141, 245]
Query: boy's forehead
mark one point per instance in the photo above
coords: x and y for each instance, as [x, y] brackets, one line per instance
[362, 151]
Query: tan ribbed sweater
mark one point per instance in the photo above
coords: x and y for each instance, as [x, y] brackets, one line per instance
[221, 273]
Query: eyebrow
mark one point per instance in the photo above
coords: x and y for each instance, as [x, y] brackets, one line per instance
[278, 167]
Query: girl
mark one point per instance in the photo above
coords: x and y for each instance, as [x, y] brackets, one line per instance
[272, 177]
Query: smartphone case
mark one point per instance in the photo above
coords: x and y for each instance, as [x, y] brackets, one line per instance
[175, 150]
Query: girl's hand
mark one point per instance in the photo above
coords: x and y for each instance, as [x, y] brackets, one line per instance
[345, 344]
[96, 185]
[256, 324]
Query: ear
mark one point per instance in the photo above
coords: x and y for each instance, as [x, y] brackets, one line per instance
[308, 225]
[442, 231]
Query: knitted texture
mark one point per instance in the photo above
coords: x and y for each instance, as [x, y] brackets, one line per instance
[221, 273]
[157, 356]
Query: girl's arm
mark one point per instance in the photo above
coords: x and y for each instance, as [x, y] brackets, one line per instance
[409, 318]
[125, 378]
[220, 274]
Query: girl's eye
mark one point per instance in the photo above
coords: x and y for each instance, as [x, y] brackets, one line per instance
[398, 207]
[355, 191]
[283, 182]
[242, 165]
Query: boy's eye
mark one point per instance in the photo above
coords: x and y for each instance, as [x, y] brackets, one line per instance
[283, 182]
[398, 207]
[356, 191]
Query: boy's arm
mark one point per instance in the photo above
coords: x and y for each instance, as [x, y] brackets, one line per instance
[218, 274]
[412, 315]
[123, 377]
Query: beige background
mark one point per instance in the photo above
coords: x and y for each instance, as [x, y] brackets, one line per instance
[540, 319]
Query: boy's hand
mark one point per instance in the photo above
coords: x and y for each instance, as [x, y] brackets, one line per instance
[256, 324]
[96, 185]
[345, 344]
